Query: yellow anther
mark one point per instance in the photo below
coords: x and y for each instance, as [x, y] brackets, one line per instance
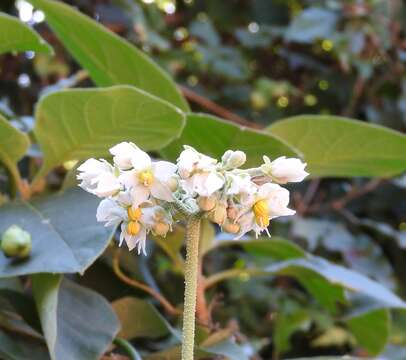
[261, 210]
[133, 227]
[134, 214]
[146, 178]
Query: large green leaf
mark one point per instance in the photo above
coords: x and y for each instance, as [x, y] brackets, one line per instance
[139, 319]
[213, 136]
[13, 144]
[77, 322]
[16, 36]
[335, 146]
[65, 235]
[324, 280]
[371, 329]
[82, 123]
[109, 59]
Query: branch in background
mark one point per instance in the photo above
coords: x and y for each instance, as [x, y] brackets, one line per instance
[169, 308]
[342, 202]
[215, 108]
[354, 193]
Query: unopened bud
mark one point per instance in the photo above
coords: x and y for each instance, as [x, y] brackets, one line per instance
[219, 214]
[232, 213]
[160, 228]
[231, 227]
[207, 203]
[233, 159]
[16, 242]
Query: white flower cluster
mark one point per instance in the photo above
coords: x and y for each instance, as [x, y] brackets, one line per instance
[142, 195]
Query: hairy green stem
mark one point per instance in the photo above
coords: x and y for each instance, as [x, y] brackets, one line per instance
[191, 268]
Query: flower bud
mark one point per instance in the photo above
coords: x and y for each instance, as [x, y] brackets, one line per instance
[283, 170]
[16, 242]
[160, 228]
[207, 203]
[232, 213]
[219, 214]
[231, 227]
[233, 159]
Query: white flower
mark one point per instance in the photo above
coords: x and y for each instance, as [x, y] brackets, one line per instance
[110, 212]
[123, 153]
[140, 222]
[98, 178]
[203, 183]
[149, 178]
[239, 184]
[199, 173]
[190, 161]
[283, 170]
[271, 201]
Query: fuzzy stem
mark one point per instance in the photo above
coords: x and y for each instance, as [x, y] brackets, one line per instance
[191, 270]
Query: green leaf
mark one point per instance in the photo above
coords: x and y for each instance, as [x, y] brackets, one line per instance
[77, 322]
[312, 24]
[139, 319]
[324, 280]
[109, 59]
[275, 247]
[15, 347]
[285, 325]
[309, 268]
[66, 237]
[13, 144]
[17, 36]
[335, 146]
[213, 136]
[371, 329]
[82, 123]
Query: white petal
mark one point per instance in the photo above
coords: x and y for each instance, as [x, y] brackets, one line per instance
[141, 160]
[285, 170]
[246, 223]
[139, 195]
[123, 153]
[163, 170]
[110, 212]
[213, 183]
[129, 178]
[277, 199]
[161, 191]
[107, 185]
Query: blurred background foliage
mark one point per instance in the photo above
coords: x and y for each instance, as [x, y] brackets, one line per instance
[254, 62]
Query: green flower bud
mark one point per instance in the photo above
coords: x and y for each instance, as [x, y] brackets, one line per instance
[16, 242]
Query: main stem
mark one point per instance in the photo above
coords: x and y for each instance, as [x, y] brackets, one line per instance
[191, 269]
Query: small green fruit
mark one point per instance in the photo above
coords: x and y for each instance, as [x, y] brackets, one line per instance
[16, 242]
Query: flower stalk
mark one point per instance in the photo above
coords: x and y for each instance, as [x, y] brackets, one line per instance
[191, 275]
